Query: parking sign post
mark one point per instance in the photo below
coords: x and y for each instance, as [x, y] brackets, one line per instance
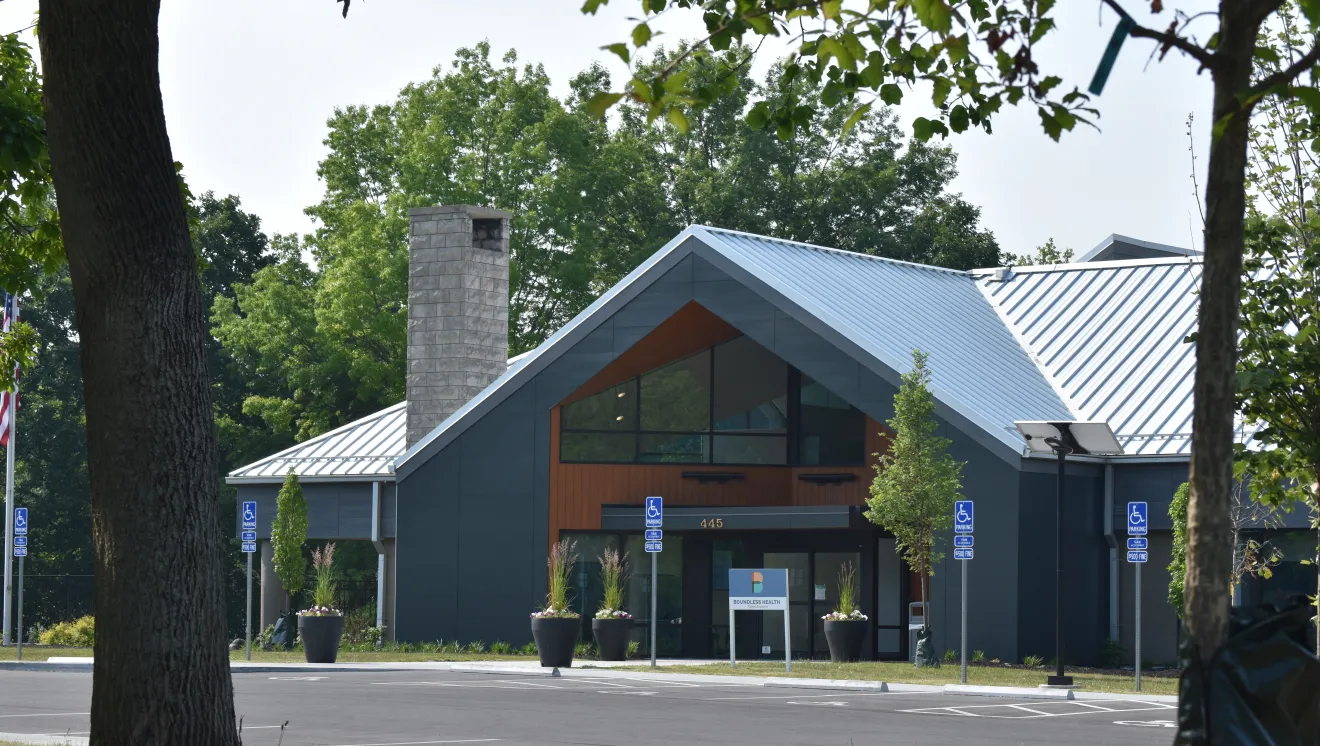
[962, 551]
[1137, 555]
[249, 548]
[655, 518]
[20, 551]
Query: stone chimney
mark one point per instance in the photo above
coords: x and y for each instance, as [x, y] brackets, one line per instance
[458, 309]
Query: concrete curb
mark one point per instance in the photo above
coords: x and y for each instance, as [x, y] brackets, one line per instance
[71, 667]
[1015, 692]
[830, 684]
[50, 740]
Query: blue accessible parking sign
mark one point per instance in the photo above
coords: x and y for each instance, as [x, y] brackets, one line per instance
[249, 527]
[20, 522]
[1136, 519]
[963, 553]
[655, 512]
[655, 546]
[963, 541]
[962, 517]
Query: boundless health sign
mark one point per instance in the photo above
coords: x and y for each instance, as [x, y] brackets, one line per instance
[758, 590]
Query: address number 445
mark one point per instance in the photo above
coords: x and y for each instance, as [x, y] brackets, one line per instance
[712, 523]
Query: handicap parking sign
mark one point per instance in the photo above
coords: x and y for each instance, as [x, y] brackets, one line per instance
[1136, 519]
[962, 517]
[20, 522]
[250, 515]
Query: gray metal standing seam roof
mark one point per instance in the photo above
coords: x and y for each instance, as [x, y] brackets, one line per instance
[1089, 341]
[1109, 336]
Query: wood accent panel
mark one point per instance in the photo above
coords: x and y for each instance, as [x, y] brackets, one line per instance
[577, 491]
[691, 329]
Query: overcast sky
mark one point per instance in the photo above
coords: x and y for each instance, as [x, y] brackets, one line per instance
[249, 84]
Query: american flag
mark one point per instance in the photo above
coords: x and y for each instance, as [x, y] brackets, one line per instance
[8, 398]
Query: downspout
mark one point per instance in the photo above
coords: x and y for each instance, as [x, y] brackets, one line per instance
[1113, 551]
[380, 554]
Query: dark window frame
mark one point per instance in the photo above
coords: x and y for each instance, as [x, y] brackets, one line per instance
[791, 436]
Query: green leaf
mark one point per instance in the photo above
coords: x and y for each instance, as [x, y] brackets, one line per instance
[601, 102]
[620, 49]
[855, 117]
[830, 9]
[676, 118]
[1310, 9]
[642, 90]
[943, 86]
[641, 35]
[591, 6]
[935, 15]
[759, 116]
[891, 94]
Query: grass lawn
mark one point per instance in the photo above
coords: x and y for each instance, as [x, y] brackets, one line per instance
[40, 653]
[382, 656]
[906, 673]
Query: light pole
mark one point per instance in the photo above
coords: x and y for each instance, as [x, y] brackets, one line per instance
[1062, 439]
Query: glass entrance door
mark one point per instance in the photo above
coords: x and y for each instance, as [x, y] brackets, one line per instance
[825, 592]
[798, 565]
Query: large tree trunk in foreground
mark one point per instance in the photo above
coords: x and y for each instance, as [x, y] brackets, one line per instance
[1209, 505]
[162, 672]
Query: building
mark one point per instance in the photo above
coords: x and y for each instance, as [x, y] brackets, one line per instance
[746, 380]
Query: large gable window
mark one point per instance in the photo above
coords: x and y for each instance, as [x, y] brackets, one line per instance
[730, 404]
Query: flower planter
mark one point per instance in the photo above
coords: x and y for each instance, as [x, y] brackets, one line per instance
[612, 638]
[556, 638]
[845, 639]
[320, 637]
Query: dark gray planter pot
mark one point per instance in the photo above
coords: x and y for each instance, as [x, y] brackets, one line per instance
[845, 639]
[320, 637]
[556, 640]
[612, 638]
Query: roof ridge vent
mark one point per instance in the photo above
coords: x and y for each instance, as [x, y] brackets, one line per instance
[1002, 274]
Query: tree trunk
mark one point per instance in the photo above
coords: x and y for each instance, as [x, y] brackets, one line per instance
[161, 674]
[1209, 530]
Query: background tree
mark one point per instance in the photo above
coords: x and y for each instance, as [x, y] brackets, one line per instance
[1252, 558]
[321, 343]
[1279, 365]
[975, 56]
[288, 534]
[1046, 253]
[916, 481]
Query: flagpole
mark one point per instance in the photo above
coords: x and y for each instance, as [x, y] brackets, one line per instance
[9, 515]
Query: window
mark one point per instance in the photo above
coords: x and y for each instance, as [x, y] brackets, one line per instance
[831, 432]
[736, 403]
[751, 405]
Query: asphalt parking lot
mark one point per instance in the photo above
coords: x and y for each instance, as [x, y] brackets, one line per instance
[433, 707]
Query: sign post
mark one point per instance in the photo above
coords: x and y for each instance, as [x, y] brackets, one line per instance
[1137, 554]
[963, 552]
[655, 519]
[20, 551]
[759, 590]
[249, 548]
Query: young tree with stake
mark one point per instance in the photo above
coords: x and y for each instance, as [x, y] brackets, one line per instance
[916, 481]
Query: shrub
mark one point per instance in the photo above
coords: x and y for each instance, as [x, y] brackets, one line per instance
[453, 646]
[500, 647]
[634, 647]
[951, 656]
[360, 630]
[1113, 654]
[978, 656]
[1035, 661]
[79, 633]
[528, 649]
[585, 650]
[476, 646]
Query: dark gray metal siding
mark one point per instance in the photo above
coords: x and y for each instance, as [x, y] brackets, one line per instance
[1085, 562]
[335, 510]
[474, 519]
